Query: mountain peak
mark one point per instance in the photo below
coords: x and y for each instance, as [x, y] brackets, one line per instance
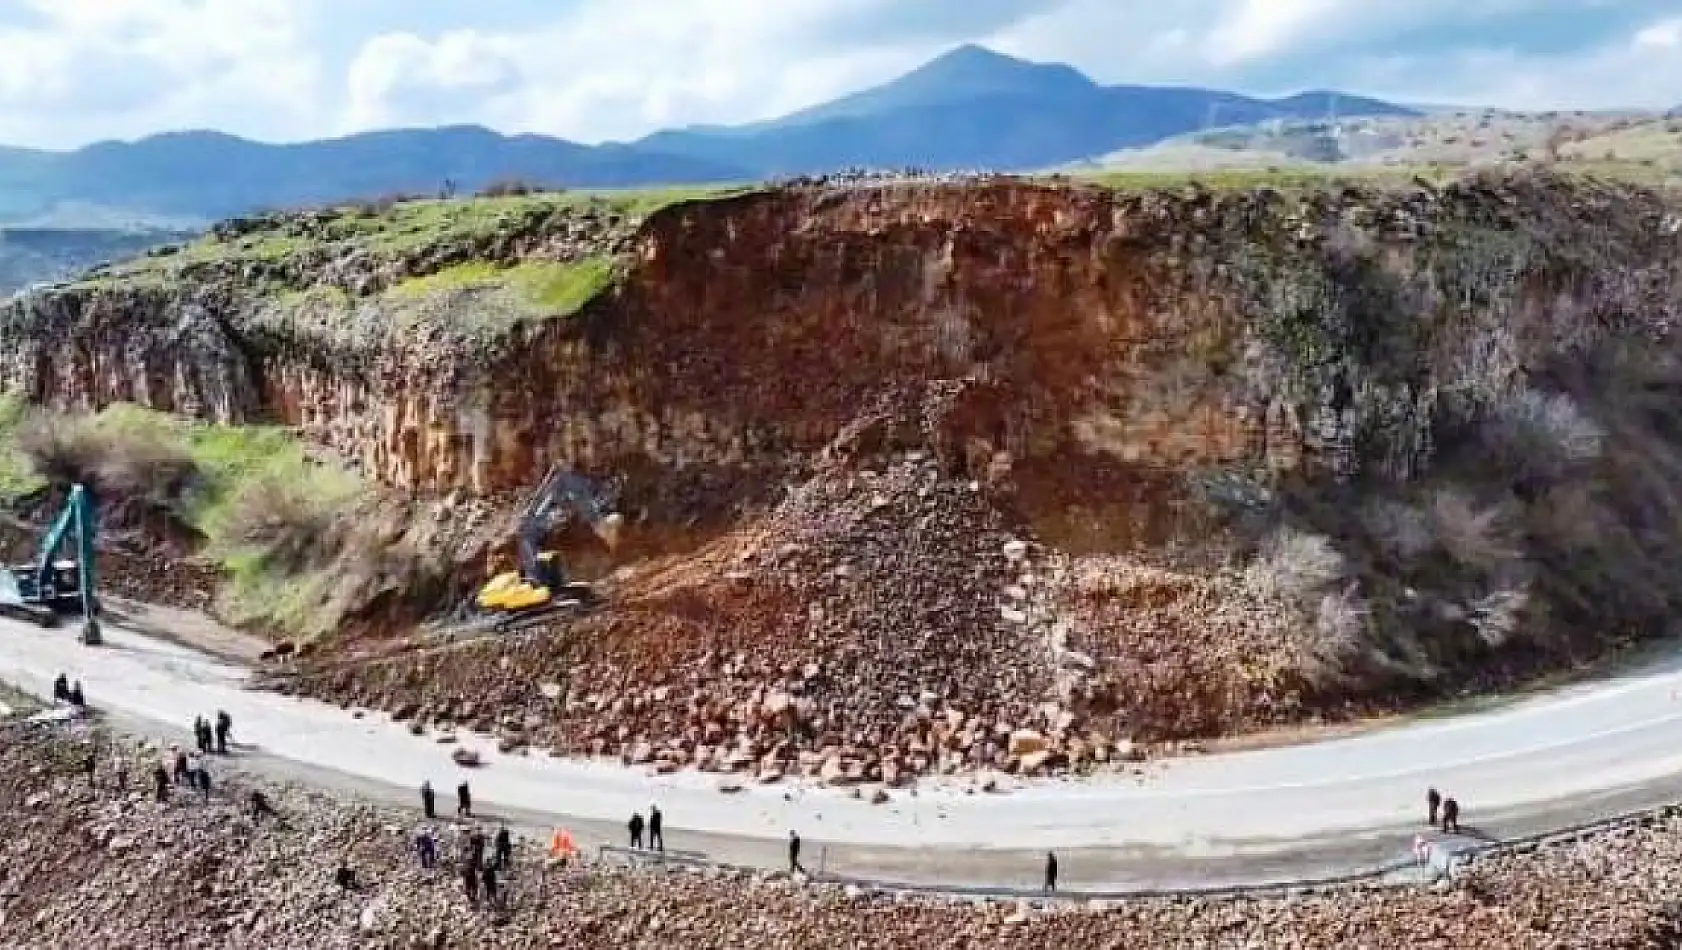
[973, 64]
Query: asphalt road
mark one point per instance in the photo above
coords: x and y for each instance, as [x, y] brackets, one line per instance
[1334, 807]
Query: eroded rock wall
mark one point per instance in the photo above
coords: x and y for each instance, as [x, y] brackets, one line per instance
[1113, 337]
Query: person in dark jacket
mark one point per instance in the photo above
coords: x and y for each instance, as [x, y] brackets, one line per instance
[224, 728]
[429, 800]
[160, 779]
[1433, 801]
[1451, 816]
[61, 689]
[76, 698]
[635, 827]
[1050, 872]
[656, 835]
[487, 877]
[470, 882]
[794, 853]
[504, 848]
[464, 801]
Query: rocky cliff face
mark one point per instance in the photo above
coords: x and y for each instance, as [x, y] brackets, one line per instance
[1255, 454]
[1146, 333]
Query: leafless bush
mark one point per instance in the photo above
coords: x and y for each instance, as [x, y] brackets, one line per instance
[1499, 615]
[1399, 530]
[1544, 438]
[1341, 628]
[118, 464]
[1296, 565]
[1478, 538]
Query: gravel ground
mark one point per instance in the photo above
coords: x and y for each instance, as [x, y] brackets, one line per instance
[98, 867]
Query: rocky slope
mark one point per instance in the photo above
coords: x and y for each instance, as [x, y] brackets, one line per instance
[97, 867]
[988, 473]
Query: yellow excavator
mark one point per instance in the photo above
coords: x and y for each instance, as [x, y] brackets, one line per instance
[540, 585]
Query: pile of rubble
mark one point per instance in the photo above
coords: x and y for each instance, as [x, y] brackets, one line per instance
[89, 866]
[886, 620]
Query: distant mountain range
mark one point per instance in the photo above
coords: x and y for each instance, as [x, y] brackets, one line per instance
[970, 108]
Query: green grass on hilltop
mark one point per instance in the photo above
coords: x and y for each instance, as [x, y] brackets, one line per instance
[393, 228]
[541, 288]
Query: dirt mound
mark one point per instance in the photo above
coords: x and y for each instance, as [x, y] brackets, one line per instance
[885, 620]
[96, 868]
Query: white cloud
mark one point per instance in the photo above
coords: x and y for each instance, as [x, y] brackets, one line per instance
[1665, 35]
[75, 70]
[72, 70]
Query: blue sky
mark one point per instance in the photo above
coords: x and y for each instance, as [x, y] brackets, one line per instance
[73, 71]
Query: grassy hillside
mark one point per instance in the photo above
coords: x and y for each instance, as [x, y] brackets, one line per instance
[1640, 148]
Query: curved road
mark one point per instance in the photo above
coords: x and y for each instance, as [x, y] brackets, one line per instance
[1249, 817]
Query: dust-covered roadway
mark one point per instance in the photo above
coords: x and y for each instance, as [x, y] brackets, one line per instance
[1249, 817]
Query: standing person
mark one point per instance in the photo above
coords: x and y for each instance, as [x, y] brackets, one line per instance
[76, 697]
[1433, 801]
[90, 765]
[160, 779]
[635, 827]
[1050, 872]
[195, 762]
[464, 800]
[470, 882]
[427, 848]
[224, 726]
[1451, 816]
[504, 848]
[794, 853]
[476, 847]
[180, 765]
[487, 876]
[429, 800]
[260, 807]
[199, 726]
[656, 838]
[204, 781]
[61, 689]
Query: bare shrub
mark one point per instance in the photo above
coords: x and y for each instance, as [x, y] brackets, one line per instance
[117, 463]
[1499, 615]
[1341, 631]
[1296, 565]
[1477, 538]
[1399, 530]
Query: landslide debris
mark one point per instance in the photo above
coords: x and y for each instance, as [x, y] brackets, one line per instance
[1239, 458]
[885, 620]
[101, 869]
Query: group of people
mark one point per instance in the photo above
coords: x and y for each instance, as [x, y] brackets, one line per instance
[481, 874]
[429, 800]
[213, 738]
[656, 829]
[67, 692]
[1450, 809]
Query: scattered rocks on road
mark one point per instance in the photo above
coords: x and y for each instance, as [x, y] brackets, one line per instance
[98, 868]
